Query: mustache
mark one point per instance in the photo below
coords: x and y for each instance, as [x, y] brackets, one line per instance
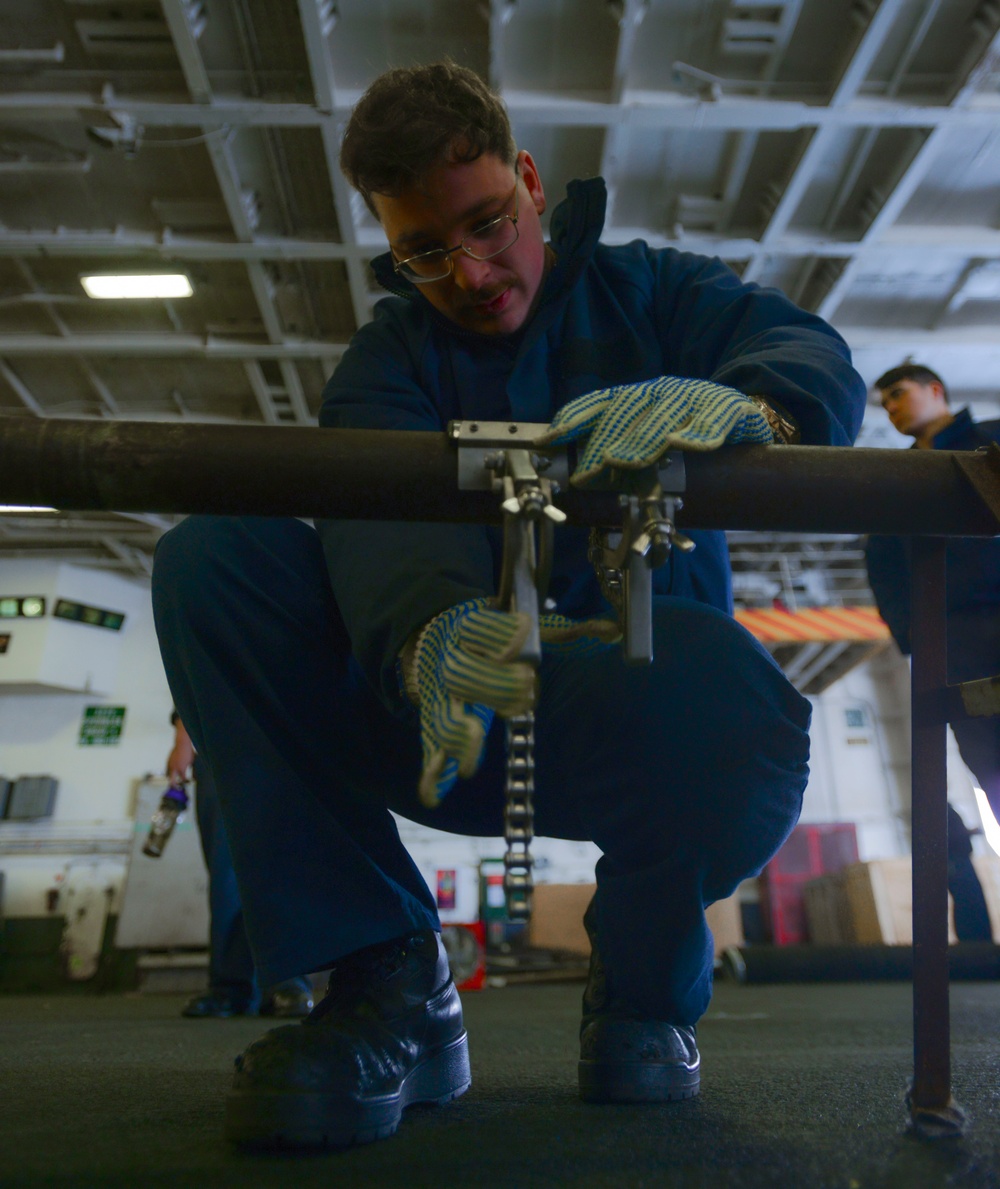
[484, 296]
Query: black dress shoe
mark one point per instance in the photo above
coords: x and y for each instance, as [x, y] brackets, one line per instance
[388, 1034]
[218, 1005]
[288, 1001]
[624, 1056]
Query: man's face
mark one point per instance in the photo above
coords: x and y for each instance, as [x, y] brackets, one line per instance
[453, 200]
[912, 406]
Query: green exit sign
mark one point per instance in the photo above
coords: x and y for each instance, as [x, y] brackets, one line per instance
[102, 726]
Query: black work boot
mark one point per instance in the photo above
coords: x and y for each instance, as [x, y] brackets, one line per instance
[219, 1004]
[288, 1000]
[388, 1034]
[625, 1056]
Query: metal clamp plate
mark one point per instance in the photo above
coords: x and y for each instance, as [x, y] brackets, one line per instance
[479, 440]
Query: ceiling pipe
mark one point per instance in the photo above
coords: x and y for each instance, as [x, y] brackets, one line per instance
[42, 56]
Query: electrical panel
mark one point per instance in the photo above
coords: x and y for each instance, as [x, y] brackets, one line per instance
[31, 797]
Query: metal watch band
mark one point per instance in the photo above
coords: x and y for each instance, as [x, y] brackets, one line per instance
[785, 432]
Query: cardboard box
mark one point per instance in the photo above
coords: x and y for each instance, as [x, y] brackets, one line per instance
[725, 919]
[827, 918]
[557, 918]
[880, 902]
[872, 904]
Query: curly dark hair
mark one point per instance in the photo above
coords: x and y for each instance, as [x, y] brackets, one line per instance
[411, 118]
[910, 371]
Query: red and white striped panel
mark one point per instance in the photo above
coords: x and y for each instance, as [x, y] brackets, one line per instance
[773, 625]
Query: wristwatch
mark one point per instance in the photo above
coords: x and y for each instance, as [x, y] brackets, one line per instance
[786, 433]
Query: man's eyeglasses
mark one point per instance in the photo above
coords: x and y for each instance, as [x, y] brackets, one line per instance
[484, 243]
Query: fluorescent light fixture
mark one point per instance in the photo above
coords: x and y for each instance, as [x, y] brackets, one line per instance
[18, 509]
[96, 616]
[990, 828]
[22, 606]
[137, 285]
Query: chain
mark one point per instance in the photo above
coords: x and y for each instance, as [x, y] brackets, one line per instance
[519, 815]
[599, 546]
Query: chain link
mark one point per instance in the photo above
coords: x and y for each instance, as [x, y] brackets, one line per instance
[519, 816]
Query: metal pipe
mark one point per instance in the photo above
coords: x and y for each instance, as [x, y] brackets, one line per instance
[931, 1107]
[174, 467]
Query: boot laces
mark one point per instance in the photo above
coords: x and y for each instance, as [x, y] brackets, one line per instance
[355, 975]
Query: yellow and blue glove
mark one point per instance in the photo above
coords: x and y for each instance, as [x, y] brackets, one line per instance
[465, 669]
[631, 425]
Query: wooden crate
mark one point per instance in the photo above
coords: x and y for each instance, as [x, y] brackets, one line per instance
[873, 903]
[880, 902]
[877, 903]
[557, 918]
[725, 919]
[827, 918]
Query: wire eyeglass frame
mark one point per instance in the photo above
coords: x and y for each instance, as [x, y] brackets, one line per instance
[405, 267]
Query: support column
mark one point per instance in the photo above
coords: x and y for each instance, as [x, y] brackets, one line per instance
[933, 1112]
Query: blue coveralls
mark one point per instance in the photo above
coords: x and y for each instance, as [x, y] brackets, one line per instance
[230, 962]
[280, 644]
[973, 599]
[230, 959]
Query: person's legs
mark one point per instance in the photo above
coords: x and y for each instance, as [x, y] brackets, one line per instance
[688, 774]
[972, 918]
[979, 745]
[259, 666]
[232, 987]
[974, 653]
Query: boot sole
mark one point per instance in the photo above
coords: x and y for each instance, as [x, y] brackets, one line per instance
[633, 1082]
[299, 1120]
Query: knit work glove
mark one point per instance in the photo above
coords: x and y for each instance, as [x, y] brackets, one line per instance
[465, 669]
[632, 425]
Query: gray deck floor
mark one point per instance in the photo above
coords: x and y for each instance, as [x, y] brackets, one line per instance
[802, 1087]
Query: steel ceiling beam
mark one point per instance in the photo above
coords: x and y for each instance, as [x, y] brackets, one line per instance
[20, 389]
[963, 241]
[659, 109]
[630, 18]
[234, 194]
[983, 339]
[184, 35]
[916, 171]
[317, 26]
[869, 136]
[165, 346]
[745, 143]
[854, 74]
[73, 242]
[104, 394]
[500, 14]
